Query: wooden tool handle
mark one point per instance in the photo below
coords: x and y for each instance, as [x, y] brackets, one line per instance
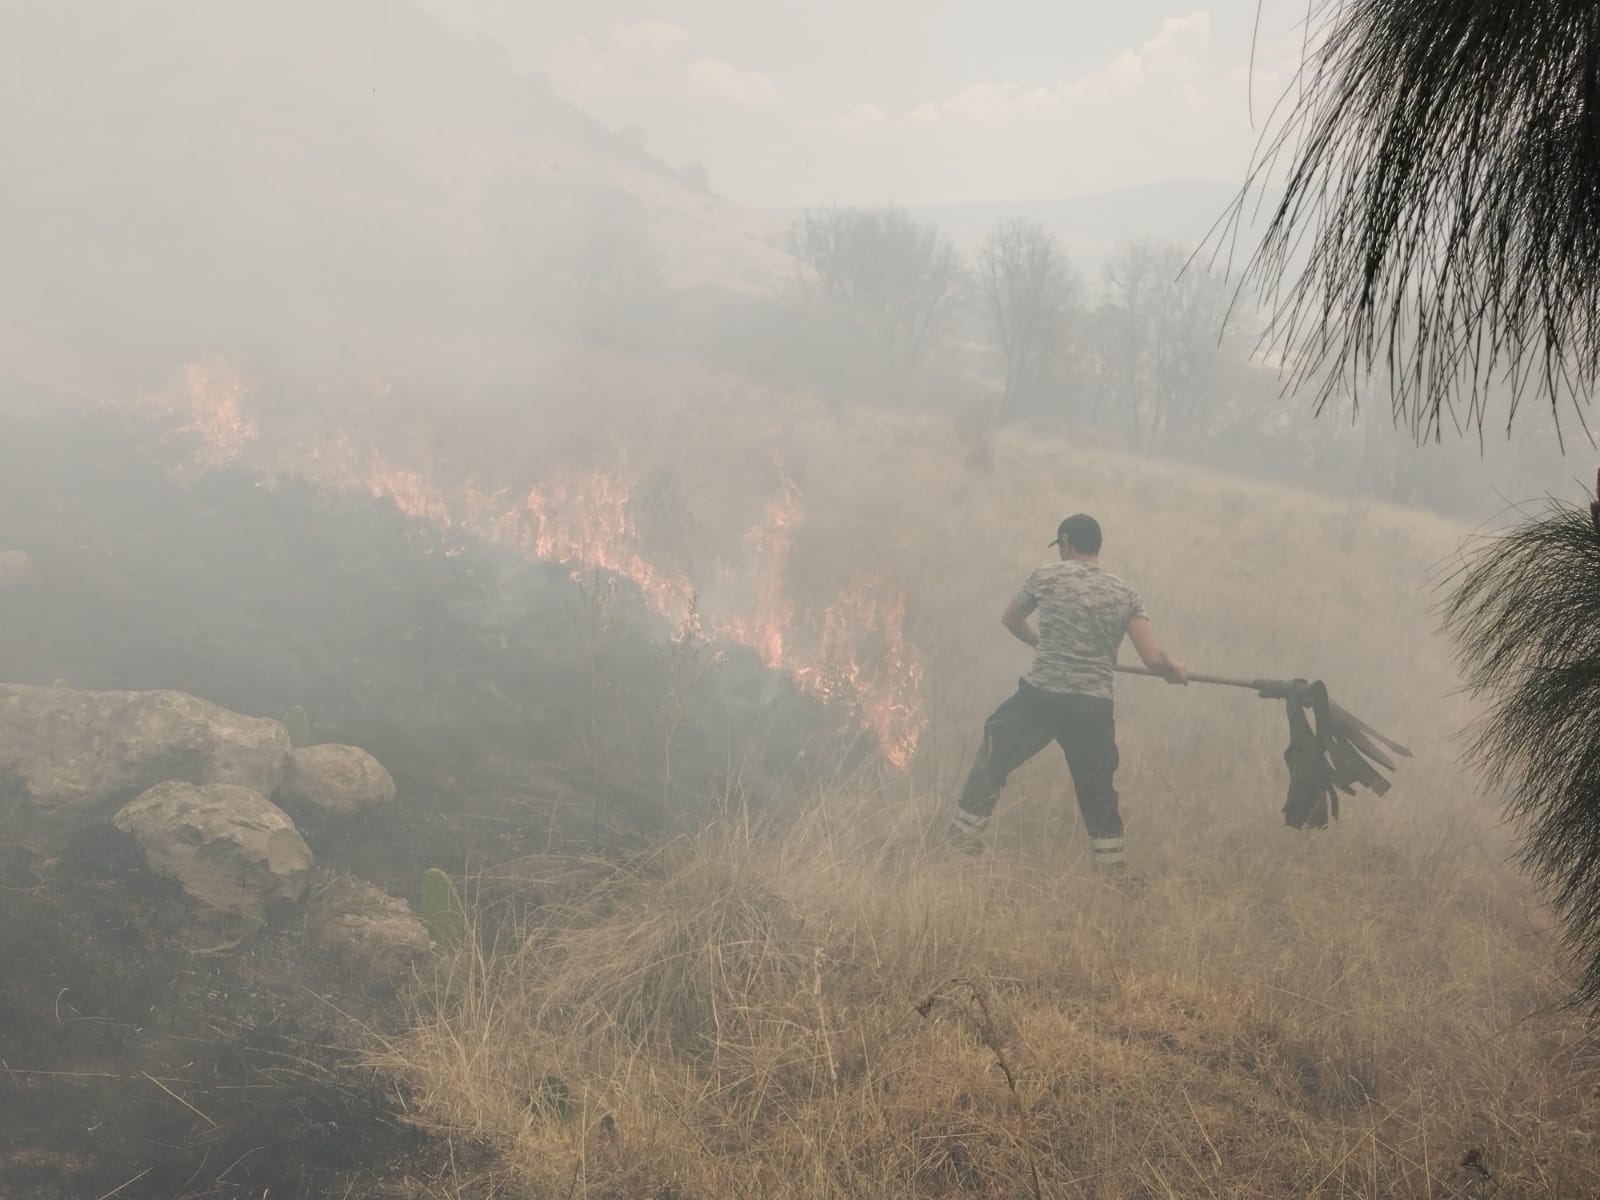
[1219, 680]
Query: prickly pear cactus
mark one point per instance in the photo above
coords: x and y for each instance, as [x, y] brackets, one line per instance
[299, 723]
[442, 910]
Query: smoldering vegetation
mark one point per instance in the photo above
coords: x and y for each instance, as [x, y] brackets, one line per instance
[471, 671]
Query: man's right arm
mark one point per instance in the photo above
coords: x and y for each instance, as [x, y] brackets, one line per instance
[1152, 655]
[1015, 619]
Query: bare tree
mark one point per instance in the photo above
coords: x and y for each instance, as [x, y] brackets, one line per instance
[897, 282]
[1030, 291]
[1162, 345]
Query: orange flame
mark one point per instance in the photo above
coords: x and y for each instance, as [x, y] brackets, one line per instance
[887, 693]
[885, 689]
[854, 652]
[336, 461]
[587, 523]
[209, 410]
[771, 614]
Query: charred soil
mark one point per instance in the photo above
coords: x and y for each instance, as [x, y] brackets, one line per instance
[139, 1063]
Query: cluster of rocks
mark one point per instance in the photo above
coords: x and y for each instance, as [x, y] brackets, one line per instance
[215, 801]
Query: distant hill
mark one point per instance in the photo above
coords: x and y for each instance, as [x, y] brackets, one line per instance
[209, 175]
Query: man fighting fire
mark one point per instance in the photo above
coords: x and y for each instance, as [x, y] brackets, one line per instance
[1084, 613]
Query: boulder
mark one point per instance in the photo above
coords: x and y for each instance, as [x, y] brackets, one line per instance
[230, 848]
[375, 932]
[70, 757]
[334, 780]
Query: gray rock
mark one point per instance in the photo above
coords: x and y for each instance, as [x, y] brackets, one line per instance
[230, 848]
[375, 932]
[337, 780]
[70, 757]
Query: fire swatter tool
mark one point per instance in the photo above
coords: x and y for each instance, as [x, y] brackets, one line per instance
[1331, 750]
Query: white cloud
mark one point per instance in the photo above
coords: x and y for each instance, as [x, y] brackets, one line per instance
[644, 60]
[1176, 58]
[1165, 109]
[859, 120]
[719, 80]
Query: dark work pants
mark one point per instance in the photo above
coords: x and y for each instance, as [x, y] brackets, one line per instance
[1029, 721]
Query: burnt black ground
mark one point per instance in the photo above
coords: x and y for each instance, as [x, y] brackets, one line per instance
[128, 1059]
[510, 726]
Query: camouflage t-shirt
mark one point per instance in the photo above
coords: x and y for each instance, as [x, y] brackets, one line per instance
[1083, 615]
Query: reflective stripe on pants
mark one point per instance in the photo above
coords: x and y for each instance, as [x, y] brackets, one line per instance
[1107, 851]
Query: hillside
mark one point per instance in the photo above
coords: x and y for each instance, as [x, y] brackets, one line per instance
[309, 180]
[809, 998]
[1093, 227]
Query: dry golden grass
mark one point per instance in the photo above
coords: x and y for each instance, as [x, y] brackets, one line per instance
[829, 1005]
[834, 1009]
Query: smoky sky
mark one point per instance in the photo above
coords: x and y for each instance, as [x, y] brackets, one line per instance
[789, 103]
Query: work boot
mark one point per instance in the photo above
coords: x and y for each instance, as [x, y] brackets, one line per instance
[965, 832]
